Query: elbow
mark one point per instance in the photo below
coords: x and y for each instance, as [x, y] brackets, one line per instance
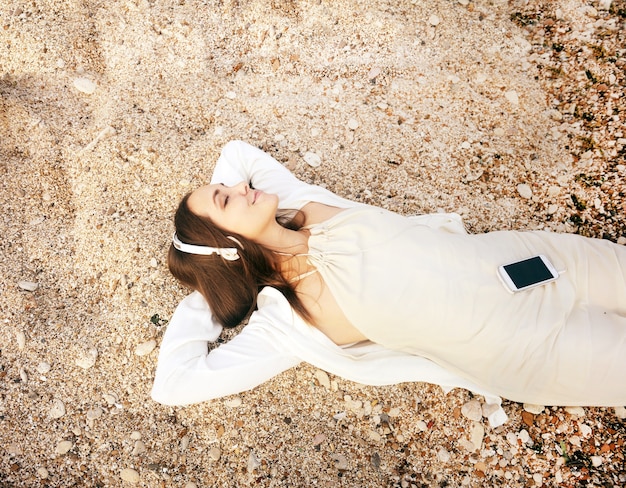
[165, 391]
[163, 396]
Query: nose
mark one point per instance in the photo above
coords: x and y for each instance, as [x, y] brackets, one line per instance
[242, 187]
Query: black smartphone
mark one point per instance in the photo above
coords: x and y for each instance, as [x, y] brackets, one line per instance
[527, 273]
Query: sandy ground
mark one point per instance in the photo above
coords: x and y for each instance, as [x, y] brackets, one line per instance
[508, 113]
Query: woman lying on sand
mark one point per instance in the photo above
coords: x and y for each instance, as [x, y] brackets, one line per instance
[379, 298]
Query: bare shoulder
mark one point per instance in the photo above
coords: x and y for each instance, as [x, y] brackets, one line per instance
[315, 212]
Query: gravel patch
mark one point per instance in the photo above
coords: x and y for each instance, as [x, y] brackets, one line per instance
[509, 113]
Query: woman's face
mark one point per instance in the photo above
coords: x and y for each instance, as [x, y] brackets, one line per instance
[237, 209]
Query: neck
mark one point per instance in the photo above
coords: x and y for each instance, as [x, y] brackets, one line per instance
[285, 241]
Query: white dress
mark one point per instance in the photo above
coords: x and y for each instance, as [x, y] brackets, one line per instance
[419, 290]
[435, 306]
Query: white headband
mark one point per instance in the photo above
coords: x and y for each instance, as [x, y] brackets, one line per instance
[228, 253]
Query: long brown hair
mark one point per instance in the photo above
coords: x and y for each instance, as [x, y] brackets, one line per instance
[229, 287]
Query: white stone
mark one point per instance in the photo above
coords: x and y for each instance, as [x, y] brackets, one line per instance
[253, 461]
[57, 410]
[472, 410]
[135, 435]
[312, 159]
[63, 447]
[524, 191]
[477, 432]
[28, 285]
[153, 262]
[512, 97]
[524, 436]
[42, 473]
[421, 425]
[443, 455]
[373, 73]
[498, 132]
[465, 145]
[191, 484]
[145, 348]
[585, 430]
[233, 402]
[94, 413]
[575, 411]
[20, 337]
[535, 409]
[215, 453]
[620, 412]
[596, 461]
[322, 378]
[353, 124]
[85, 85]
[538, 479]
[434, 20]
[43, 367]
[87, 358]
[374, 436]
[341, 462]
[139, 448]
[130, 475]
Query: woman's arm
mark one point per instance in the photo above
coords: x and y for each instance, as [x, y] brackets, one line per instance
[187, 373]
[240, 161]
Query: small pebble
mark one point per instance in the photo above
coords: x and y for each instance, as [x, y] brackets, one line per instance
[512, 97]
[596, 461]
[373, 73]
[63, 447]
[139, 448]
[145, 348]
[538, 479]
[233, 402]
[443, 455]
[85, 85]
[94, 413]
[312, 159]
[322, 378]
[524, 191]
[42, 473]
[153, 263]
[43, 367]
[28, 285]
[318, 439]
[341, 462]
[620, 412]
[130, 475]
[477, 433]
[191, 484]
[524, 436]
[575, 411]
[57, 410]
[434, 20]
[253, 462]
[87, 358]
[135, 436]
[472, 410]
[536, 409]
[215, 453]
[353, 124]
[20, 337]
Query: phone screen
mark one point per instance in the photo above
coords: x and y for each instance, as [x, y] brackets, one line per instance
[528, 272]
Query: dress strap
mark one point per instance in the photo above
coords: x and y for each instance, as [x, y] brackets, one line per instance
[302, 276]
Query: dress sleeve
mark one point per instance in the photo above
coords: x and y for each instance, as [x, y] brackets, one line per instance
[239, 161]
[188, 373]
